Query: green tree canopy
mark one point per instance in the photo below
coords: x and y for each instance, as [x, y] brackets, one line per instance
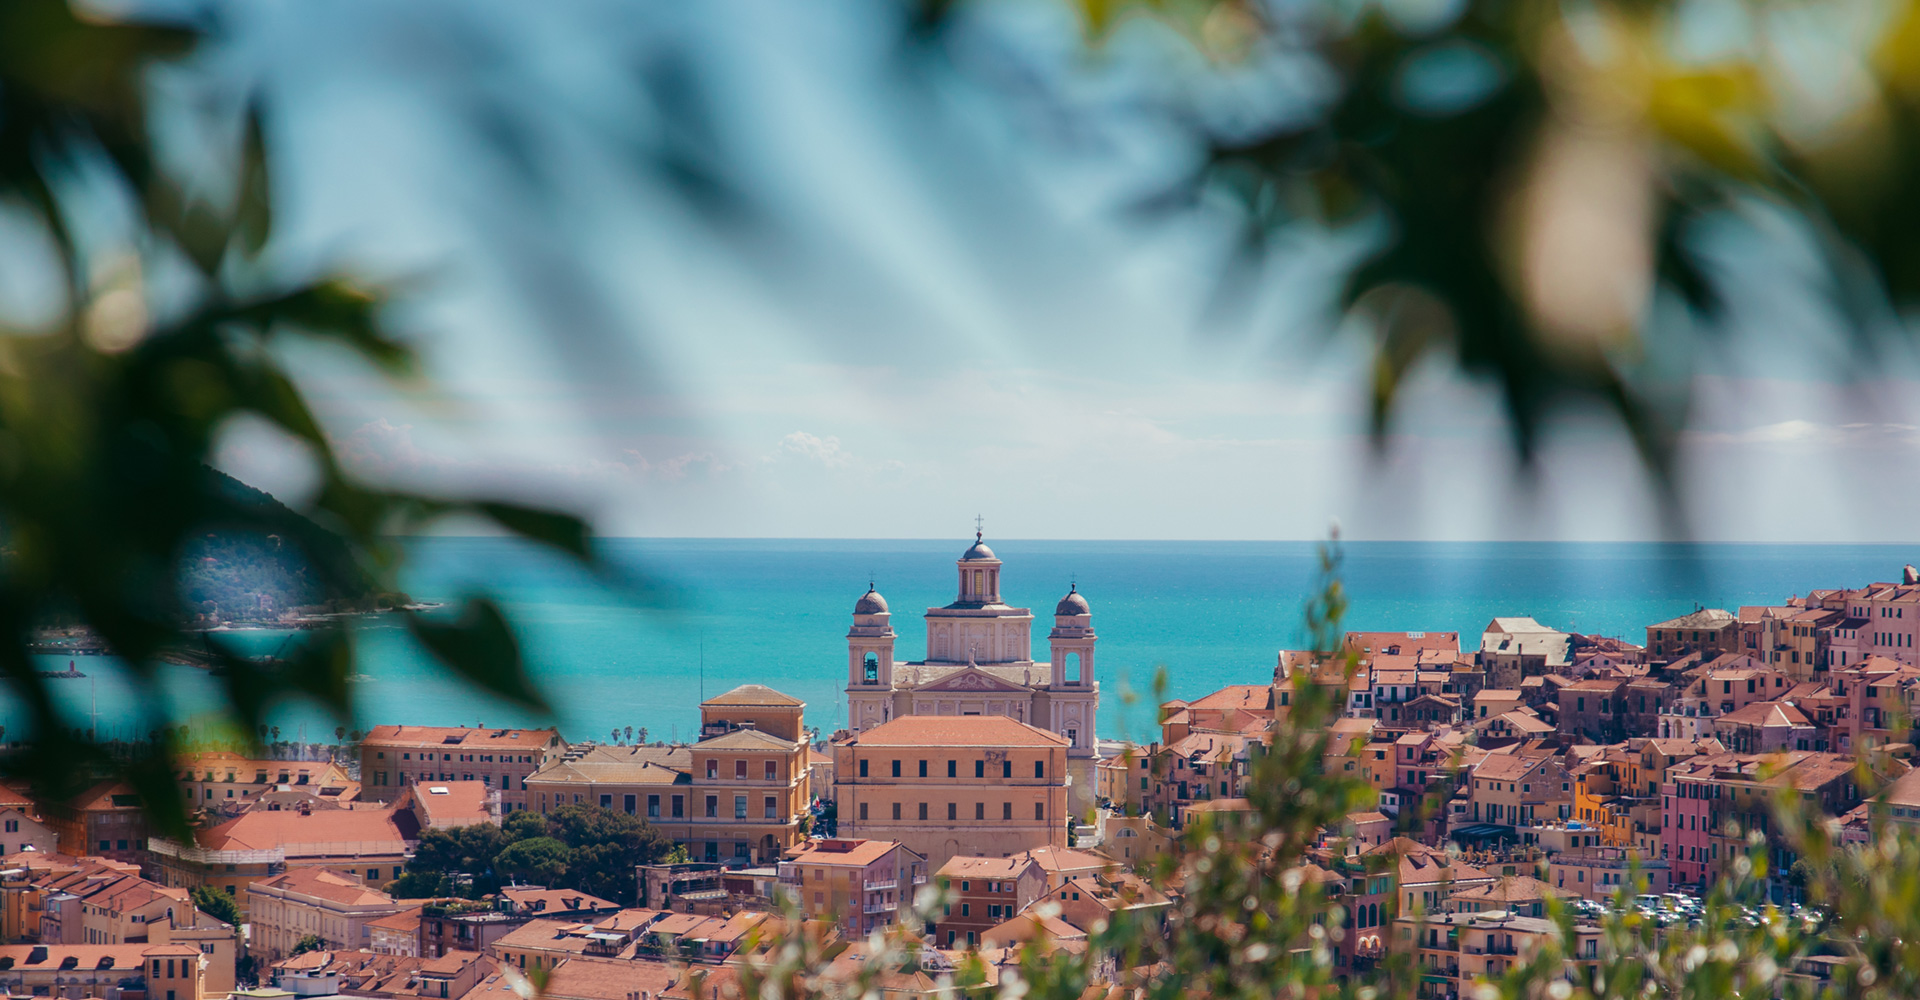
[538, 860]
[216, 904]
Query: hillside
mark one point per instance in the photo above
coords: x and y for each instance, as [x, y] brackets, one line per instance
[264, 560]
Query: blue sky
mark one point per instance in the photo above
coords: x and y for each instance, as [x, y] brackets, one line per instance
[929, 300]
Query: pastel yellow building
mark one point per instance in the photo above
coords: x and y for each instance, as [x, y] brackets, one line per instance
[945, 785]
[742, 793]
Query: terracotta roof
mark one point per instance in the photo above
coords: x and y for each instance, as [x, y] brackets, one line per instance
[757, 695]
[534, 900]
[748, 739]
[462, 736]
[406, 920]
[847, 853]
[970, 867]
[88, 957]
[1705, 618]
[310, 834]
[637, 765]
[453, 803]
[1236, 696]
[957, 731]
[1067, 859]
[602, 979]
[328, 885]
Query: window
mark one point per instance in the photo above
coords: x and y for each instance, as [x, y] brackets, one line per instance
[1039, 768]
[896, 769]
[863, 810]
[923, 810]
[713, 769]
[713, 807]
[980, 808]
[896, 810]
[653, 807]
[770, 776]
[979, 768]
[1006, 769]
[606, 801]
[631, 803]
[740, 770]
[953, 810]
[863, 769]
[1006, 810]
[739, 807]
[953, 769]
[923, 769]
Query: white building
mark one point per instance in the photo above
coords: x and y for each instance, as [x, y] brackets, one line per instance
[979, 661]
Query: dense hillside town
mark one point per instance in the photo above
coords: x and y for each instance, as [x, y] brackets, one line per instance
[1507, 779]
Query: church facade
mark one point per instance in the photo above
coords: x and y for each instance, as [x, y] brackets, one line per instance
[979, 660]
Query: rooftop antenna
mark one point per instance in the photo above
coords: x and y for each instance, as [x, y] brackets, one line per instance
[979, 526]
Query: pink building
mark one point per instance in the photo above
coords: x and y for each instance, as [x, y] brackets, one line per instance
[1687, 816]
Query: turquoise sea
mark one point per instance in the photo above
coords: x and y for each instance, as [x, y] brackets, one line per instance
[728, 612]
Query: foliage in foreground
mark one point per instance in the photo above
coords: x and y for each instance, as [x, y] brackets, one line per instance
[167, 318]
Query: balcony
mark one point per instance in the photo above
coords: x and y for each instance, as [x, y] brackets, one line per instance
[883, 885]
[874, 908]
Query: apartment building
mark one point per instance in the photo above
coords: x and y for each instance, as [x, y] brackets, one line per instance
[339, 909]
[949, 785]
[1712, 801]
[392, 757]
[1710, 632]
[1510, 789]
[110, 972]
[741, 794]
[1455, 951]
[1604, 872]
[984, 893]
[858, 885]
[21, 828]
[370, 843]
[103, 821]
[230, 782]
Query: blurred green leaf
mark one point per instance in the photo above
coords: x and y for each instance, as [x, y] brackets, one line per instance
[479, 646]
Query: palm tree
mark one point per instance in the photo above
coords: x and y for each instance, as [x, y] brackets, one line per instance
[643, 734]
[629, 734]
[339, 734]
[276, 734]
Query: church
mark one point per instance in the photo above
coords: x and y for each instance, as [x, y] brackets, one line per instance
[979, 660]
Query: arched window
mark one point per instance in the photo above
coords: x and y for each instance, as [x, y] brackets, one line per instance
[1073, 669]
[873, 669]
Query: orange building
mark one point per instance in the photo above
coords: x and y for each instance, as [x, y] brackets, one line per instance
[742, 793]
[946, 785]
[395, 756]
[105, 821]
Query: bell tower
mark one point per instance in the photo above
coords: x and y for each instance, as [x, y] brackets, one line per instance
[1071, 642]
[870, 644]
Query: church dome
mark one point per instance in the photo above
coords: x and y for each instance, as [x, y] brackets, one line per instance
[1072, 604]
[978, 552]
[871, 603]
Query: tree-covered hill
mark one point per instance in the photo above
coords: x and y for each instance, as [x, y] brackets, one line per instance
[265, 560]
